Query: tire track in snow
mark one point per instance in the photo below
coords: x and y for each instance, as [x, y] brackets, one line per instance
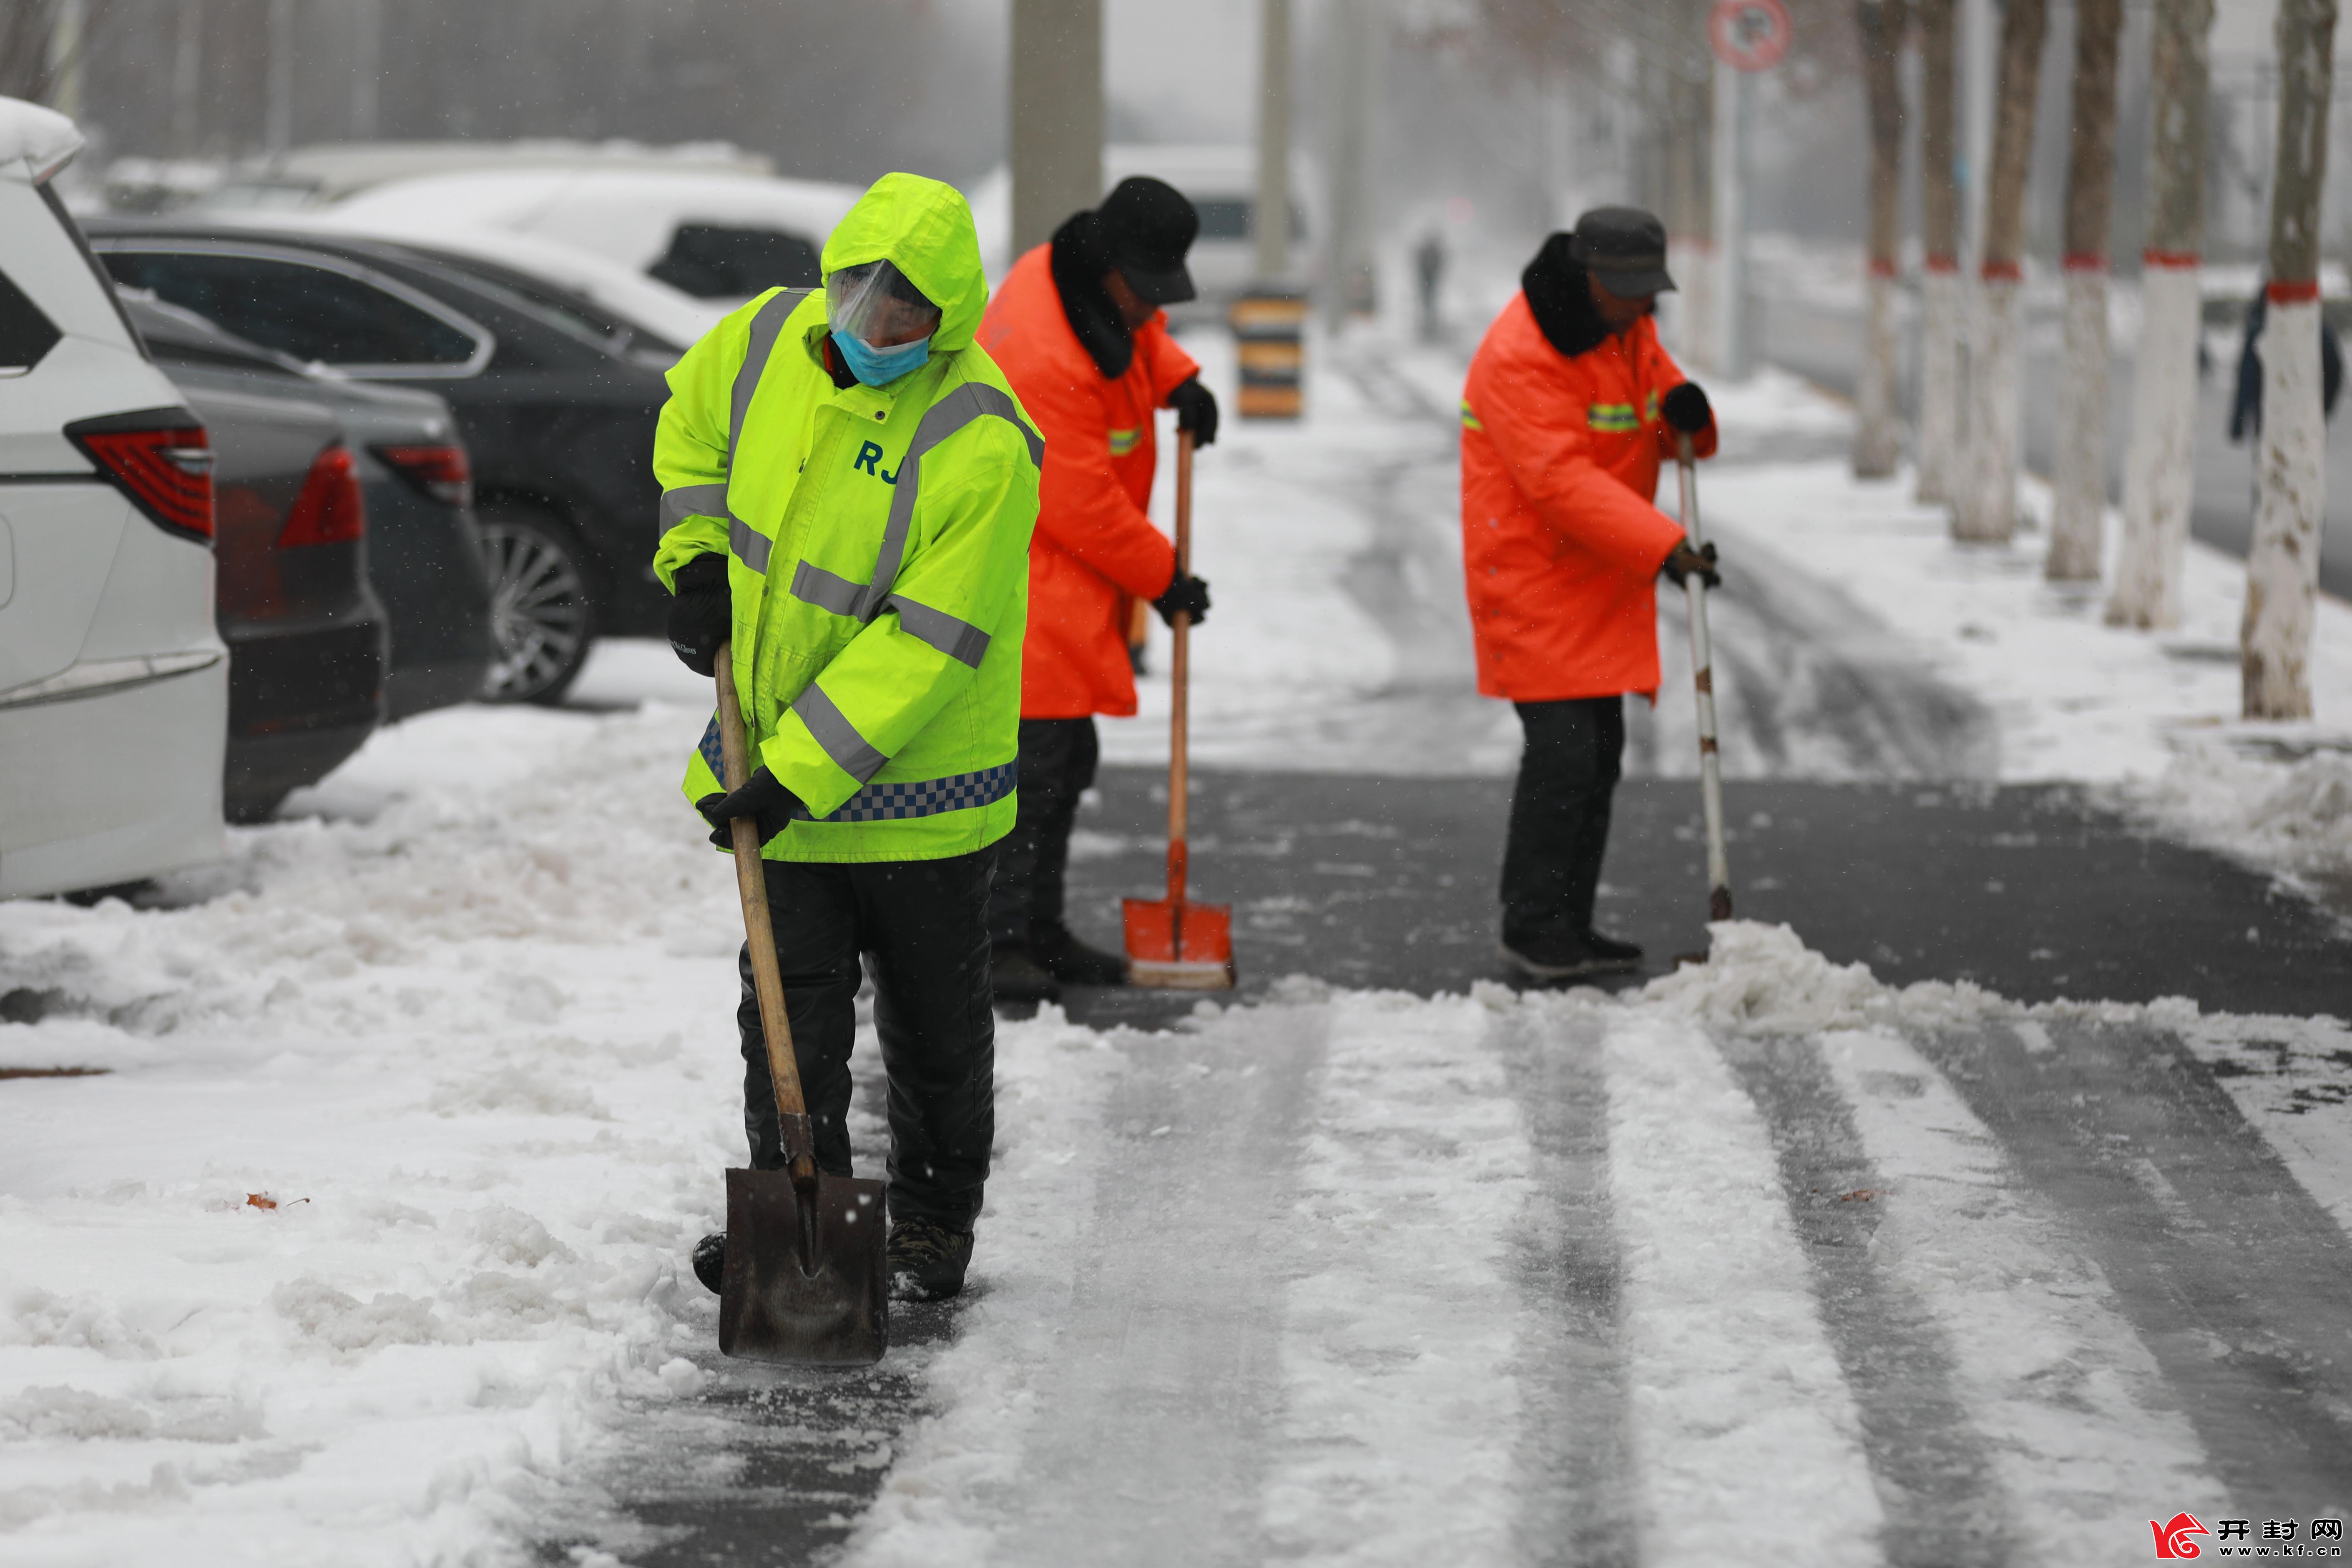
[2187, 1210]
[1401, 1339]
[2044, 1361]
[1747, 1447]
[1146, 1444]
[1944, 1507]
[1573, 1470]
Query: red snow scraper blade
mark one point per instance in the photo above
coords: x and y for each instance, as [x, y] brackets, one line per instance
[1173, 944]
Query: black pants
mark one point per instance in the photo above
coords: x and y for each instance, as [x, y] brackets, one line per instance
[1559, 817]
[922, 923]
[1058, 765]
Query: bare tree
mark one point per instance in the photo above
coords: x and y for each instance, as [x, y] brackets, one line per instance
[1878, 432]
[2290, 481]
[2079, 497]
[1940, 223]
[1987, 495]
[2159, 474]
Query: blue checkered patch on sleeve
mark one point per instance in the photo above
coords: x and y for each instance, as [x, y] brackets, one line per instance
[891, 802]
[712, 757]
[928, 797]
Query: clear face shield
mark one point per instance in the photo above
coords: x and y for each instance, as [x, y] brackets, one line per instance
[874, 304]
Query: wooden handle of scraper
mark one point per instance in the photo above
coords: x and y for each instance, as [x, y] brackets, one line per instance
[1179, 675]
[752, 882]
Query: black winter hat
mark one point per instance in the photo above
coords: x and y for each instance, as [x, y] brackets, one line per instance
[1147, 226]
[1625, 249]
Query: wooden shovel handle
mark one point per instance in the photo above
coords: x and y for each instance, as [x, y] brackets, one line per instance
[751, 881]
[1179, 675]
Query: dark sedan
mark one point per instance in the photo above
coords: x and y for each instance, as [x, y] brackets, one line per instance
[307, 637]
[423, 549]
[558, 416]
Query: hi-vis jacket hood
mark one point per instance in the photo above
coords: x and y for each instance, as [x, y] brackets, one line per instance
[925, 229]
[876, 541]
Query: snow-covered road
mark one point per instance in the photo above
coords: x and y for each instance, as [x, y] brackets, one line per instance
[368, 1248]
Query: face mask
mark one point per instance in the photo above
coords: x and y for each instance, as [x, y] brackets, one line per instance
[877, 367]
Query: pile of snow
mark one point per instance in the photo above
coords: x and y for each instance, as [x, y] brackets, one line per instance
[34, 142]
[415, 1109]
[2294, 817]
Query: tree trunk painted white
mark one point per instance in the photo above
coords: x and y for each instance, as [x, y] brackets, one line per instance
[1986, 510]
[1939, 382]
[1985, 506]
[2079, 492]
[1878, 426]
[2159, 475]
[2290, 482]
[1940, 318]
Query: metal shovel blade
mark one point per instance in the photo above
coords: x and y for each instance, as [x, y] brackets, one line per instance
[808, 1277]
[1174, 945]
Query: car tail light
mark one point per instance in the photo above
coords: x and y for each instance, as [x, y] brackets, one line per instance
[441, 472]
[161, 458]
[328, 511]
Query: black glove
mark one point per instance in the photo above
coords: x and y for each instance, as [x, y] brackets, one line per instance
[1678, 565]
[1196, 410]
[762, 797]
[1685, 409]
[1184, 592]
[702, 616]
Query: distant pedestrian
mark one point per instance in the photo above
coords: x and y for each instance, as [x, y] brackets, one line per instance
[2246, 409]
[1428, 264]
[1570, 408]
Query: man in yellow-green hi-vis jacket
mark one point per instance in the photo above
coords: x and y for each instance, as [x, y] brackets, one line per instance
[848, 489]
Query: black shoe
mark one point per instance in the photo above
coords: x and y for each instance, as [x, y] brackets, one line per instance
[1610, 948]
[710, 1262]
[1568, 958]
[1016, 976]
[1072, 962]
[927, 1260]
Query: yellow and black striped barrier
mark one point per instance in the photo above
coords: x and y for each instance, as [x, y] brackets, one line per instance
[1269, 329]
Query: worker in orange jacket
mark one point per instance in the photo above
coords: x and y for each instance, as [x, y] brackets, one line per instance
[1078, 330]
[1571, 407]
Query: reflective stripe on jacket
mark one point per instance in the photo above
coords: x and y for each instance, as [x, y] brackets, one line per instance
[1096, 551]
[876, 541]
[1560, 544]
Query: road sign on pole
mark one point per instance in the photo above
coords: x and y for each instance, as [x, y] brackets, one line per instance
[1749, 35]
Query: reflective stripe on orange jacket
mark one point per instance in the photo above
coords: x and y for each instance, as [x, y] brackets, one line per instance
[1095, 550]
[1560, 544]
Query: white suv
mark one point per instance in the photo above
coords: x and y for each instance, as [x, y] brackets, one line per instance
[113, 682]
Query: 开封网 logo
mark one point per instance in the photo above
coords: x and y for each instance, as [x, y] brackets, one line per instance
[2172, 1536]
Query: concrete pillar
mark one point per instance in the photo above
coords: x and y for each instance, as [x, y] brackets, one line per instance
[67, 46]
[278, 123]
[367, 69]
[1350, 283]
[1732, 92]
[1273, 209]
[1056, 97]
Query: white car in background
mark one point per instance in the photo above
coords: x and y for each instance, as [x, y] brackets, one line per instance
[113, 679]
[718, 237]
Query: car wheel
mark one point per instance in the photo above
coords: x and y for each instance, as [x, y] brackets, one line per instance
[542, 611]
